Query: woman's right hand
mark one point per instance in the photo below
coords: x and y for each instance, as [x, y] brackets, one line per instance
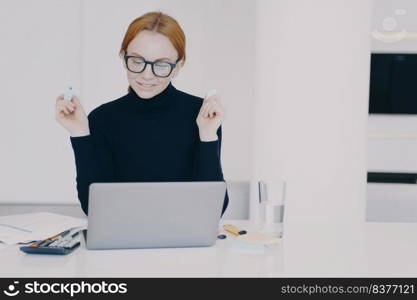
[71, 115]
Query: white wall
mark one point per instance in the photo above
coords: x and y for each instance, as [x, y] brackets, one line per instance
[312, 83]
[49, 45]
[39, 58]
[394, 202]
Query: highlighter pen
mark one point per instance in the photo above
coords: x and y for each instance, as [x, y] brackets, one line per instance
[68, 94]
[233, 230]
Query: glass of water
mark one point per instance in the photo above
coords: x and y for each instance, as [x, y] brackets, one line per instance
[271, 207]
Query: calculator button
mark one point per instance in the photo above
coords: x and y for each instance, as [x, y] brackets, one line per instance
[44, 243]
[70, 245]
[54, 244]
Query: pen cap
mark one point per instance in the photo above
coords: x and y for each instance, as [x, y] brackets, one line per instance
[68, 94]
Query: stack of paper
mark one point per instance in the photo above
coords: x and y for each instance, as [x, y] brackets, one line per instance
[26, 228]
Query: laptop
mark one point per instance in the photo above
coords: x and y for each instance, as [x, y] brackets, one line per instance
[154, 214]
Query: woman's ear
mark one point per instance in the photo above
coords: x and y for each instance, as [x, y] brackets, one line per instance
[177, 69]
[122, 56]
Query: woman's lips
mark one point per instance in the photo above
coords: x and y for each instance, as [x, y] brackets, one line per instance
[146, 86]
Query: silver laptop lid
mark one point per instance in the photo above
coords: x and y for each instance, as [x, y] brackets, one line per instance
[154, 214]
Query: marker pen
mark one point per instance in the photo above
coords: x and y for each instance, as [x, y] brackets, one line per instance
[68, 94]
[210, 93]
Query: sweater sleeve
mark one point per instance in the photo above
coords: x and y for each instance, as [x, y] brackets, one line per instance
[207, 163]
[93, 160]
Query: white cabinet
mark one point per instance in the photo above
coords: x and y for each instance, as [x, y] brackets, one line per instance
[391, 202]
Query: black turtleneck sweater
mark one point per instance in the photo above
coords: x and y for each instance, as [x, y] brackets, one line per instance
[146, 140]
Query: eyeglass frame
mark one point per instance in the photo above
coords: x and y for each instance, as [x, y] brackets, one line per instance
[126, 57]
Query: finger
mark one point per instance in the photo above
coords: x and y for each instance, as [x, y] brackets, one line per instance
[60, 100]
[203, 108]
[68, 105]
[75, 100]
[215, 108]
[207, 103]
[64, 109]
[207, 108]
[210, 104]
[206, 111]
[219, 110]
[212, 100]
[62, 114]
[60, 97]
[212, 113]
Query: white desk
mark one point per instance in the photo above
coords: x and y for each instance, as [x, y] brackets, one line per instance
[308, 250]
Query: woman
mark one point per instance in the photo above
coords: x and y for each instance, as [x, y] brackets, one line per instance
[154, 133]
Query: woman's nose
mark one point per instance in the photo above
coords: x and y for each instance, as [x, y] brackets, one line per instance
[147, 73]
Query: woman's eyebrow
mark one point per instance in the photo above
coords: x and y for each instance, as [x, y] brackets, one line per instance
[134, 53]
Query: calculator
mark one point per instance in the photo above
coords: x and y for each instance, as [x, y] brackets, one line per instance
[62, 244]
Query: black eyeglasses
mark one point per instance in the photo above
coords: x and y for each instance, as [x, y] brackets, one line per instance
[138, 64]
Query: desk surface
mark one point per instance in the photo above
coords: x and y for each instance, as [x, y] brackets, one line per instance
[307, 250]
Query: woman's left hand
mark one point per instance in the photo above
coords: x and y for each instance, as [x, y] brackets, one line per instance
[210, 118]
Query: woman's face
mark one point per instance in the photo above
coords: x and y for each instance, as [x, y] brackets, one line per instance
[151, 46]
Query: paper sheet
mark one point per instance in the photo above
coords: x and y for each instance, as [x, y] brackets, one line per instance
[25, 228]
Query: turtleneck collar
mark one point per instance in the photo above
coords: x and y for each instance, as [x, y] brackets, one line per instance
[161, 102]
